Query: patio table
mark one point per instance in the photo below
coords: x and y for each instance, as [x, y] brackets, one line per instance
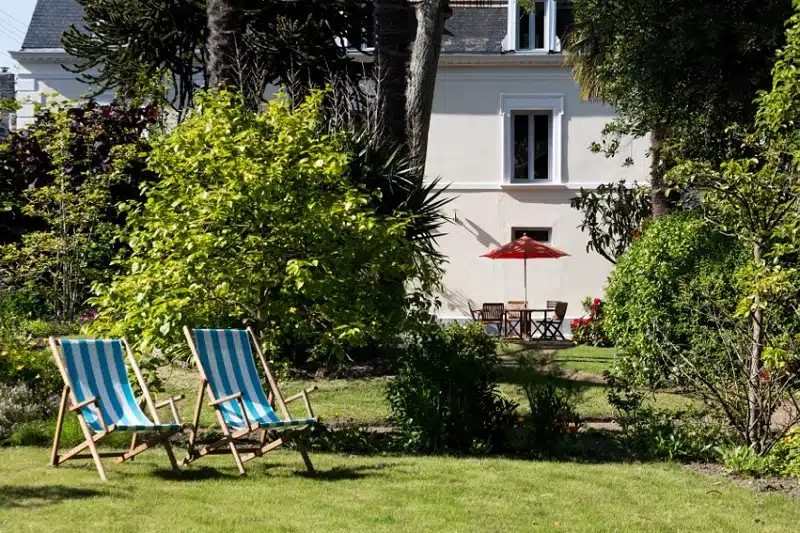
[526, 327]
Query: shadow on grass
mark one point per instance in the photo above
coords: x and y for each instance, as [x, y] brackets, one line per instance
[518, 376]
[341, 473]
[193, 474]
[29, 497]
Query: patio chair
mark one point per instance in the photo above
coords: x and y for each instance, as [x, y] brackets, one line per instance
[476, 314]
[515, 320]
[550, 327]
[97, 389]
[493, 314]
[228, 374]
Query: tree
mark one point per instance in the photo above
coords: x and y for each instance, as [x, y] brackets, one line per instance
[756, 198]
[681, 71]
[225, 38]
[131, 47]
[66, 174]
[431, 17]
[613, 215]
[255, 221]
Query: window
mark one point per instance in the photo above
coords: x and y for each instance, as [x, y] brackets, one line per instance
[537, 234]
[361, 38]
[532, 138]
[531, 145]
[543, 29]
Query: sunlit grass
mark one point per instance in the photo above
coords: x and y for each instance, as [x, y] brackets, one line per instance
[377, 494]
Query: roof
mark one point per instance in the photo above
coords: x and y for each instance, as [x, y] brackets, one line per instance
[469, 30]
[50, 19]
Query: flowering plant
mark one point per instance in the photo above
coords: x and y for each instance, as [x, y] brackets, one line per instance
[589, 328]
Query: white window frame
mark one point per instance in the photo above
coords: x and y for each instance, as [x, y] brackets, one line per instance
[551, 41]
[546, 103]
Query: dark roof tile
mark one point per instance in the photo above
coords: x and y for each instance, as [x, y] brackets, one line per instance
[50, 19]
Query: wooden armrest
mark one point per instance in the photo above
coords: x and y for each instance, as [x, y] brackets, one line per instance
[234, 396]
[169, 401]
[299, 394]
[92, 400]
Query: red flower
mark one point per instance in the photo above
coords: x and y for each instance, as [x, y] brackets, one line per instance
[764, 373]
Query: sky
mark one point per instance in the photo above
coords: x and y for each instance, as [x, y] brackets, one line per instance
[15, 15]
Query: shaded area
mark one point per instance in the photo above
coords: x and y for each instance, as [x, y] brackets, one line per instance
[193, 474]
[34, 496]
[340, 473]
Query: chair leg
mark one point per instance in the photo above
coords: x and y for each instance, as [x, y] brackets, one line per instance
[62, 408]
[190, 449]
[170, 454]
[92, 447]
[307, 460]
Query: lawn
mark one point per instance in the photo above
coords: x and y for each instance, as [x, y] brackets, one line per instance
[380, 494]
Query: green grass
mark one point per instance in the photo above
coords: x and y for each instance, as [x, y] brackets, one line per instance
[377, 494]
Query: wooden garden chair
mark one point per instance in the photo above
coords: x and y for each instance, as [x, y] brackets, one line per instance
[229, 377]
[97, 389]
[550, 327]
[514, 319]
[476, 314]
[494, 313]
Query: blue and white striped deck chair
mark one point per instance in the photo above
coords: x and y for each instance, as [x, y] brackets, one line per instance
[226, 361]
[97, 389]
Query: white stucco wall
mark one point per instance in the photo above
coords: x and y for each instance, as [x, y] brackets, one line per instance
[41, 79]
[466, 149]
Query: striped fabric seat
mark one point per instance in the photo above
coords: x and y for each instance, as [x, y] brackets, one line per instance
[96, 368]
[227, 359]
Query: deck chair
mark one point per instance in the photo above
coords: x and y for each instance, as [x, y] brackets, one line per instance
[97, 389]
[228, 374]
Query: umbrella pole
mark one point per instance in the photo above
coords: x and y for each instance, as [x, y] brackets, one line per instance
[525, 278]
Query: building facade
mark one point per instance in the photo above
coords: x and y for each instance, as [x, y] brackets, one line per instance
[509, 138]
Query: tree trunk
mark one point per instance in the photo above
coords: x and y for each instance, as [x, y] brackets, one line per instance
[658, 199]
[431, 16]
[224, 17]
[393, 35]
[754, 407]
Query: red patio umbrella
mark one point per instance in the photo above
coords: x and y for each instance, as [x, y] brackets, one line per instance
[525, 248]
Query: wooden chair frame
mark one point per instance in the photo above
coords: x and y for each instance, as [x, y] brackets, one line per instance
[242, 454]
[69, 403]
[550, 328]
[494, 313]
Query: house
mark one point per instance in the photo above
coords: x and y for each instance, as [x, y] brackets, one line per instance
[509, 136]
[7, 92]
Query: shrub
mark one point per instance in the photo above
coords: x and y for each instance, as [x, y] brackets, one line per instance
[256, 222]
[444, 396]
[553, 423]
[745, 461]
[67, 172]
[590, 329]
[652, 294]
[653, 434]
[24, 362]
[19, 404]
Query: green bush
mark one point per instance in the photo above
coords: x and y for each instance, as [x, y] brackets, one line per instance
[25, 362]
[590, 328]
[444, 396]
[255, 222]
[18, 405]
[745, 461]
[552, 425]
[653, 295]
[782, 460]
[652, 434]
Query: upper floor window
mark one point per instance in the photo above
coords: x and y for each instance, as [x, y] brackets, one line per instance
[542, 27]
[532, 138]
